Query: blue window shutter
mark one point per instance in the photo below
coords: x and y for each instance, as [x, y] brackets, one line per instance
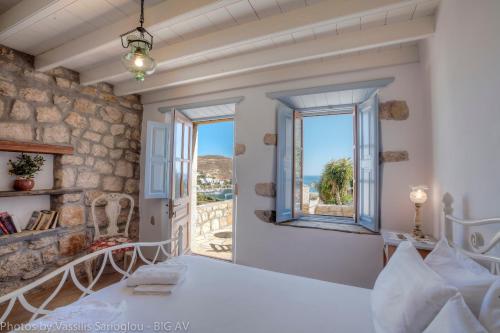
[284, 171]
[298, 150]
[368, 160]
[157, 154]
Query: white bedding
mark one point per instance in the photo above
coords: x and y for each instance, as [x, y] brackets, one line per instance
[223, 297]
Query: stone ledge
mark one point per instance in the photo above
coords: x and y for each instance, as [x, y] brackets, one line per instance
[265, 189]
[394, 156]
[270, 139]
[394, 110]
[239, 149]
[341, 226]
[268, 216]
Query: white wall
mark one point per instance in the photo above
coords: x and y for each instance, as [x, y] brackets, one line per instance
[462, 67]
[329, 255]
[21, 208]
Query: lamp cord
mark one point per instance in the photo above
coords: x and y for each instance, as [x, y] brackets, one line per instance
[142, 13]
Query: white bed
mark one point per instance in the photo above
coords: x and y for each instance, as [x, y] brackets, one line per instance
[223, 297]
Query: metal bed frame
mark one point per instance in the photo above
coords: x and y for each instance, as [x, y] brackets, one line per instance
[158, 248]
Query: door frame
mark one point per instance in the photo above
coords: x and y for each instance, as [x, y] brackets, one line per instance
[171, 206]
[234, 178]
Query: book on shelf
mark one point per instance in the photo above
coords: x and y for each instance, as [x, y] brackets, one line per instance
[7, 224]
[33, 220]
[3, 229]
[43, 220]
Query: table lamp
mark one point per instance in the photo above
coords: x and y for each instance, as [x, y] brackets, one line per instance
[418, 196]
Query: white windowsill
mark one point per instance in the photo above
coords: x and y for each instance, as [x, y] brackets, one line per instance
[342, 225]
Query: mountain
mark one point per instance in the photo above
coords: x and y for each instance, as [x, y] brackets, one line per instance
[216, 166]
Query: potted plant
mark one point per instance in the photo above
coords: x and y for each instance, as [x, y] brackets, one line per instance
[25, 168]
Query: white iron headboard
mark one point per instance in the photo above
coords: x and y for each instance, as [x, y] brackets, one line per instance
[480, 250]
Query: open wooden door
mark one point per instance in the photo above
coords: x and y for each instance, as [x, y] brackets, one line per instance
[180, 176]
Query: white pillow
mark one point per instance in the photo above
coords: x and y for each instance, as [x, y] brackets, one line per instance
[489, 315]
[407, 294]
[469, 277]
[455, 317]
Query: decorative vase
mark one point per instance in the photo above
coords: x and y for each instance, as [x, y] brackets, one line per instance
[23, 184]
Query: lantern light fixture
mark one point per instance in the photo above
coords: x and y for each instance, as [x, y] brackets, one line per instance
[139, 42]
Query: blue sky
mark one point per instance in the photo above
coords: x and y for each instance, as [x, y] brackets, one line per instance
[326, 138]
[216, 139]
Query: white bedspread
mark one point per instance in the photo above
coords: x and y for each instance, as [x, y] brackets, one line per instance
[223, 297]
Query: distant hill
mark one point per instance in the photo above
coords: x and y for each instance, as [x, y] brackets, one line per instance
[216, 166]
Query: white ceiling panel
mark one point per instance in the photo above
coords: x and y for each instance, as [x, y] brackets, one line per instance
[221, 18]
[302, 35]
[401, 14]
[168, 35]
[196, 26]
[373, 20]
[5, 5]
[328, 99]
[242, 12]
[265, 8]
[350, 25]
[288, 5]
[283, 40]
[207, 112]
[327, 29]
[426, 8]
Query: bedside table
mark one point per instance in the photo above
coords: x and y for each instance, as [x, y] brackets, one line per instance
[393, 238]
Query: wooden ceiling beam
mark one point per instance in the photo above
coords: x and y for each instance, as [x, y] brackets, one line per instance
[323, 47]
[157, 17]
[298, 71]
[322, 13]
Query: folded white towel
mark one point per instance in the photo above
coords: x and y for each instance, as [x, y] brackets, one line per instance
[154, 289]
[157, 275]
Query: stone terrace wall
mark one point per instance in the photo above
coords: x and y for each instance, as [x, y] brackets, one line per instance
[215, 215]
[105, 131]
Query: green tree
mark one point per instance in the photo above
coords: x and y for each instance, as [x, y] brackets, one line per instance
[336, 180]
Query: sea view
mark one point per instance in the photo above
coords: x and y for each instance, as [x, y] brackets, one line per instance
[311, 181]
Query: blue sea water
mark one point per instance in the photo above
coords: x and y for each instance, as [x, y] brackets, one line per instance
[311, 181]
[224, 194]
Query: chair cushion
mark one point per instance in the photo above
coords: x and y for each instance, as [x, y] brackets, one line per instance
[105, 242]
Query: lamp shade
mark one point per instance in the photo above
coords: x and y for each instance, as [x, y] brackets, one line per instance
[418, 194]
[138, 61]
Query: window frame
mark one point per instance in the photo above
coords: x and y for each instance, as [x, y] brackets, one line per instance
[373, 222]
[334, 111]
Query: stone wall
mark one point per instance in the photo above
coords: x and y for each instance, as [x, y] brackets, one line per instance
[334, 210]
[213, 216]
[105, 132]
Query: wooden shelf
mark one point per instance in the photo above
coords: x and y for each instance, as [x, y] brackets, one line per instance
[40, 192]
[32, 147]
[27, 235]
